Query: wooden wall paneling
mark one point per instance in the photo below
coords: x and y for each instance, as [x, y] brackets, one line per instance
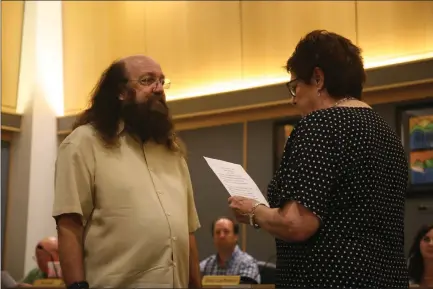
[211, 44]
[12, 15]
[245, 166]
[236, 116]
[6, 135]
[129, 29]
[414, 91]
[88, 30]
[271, 30]
[389, 29]
[196, 42]
[411, 91]
[6, 168]
[195, 47]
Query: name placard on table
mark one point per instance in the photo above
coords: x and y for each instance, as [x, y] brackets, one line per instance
[220, 280]
[49, 283]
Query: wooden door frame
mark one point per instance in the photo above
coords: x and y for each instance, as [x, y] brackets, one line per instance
[7, 136]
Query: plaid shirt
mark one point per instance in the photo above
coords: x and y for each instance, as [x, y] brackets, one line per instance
[239, 264]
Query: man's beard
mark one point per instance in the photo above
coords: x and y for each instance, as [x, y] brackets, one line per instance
[149, 120]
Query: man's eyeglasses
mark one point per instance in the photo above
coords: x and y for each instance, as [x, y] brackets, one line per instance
[149, 81]
[291, 85]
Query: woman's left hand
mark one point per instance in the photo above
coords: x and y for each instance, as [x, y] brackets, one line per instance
[241, 207]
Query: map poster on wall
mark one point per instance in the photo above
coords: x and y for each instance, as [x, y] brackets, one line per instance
[417, 136]
[421, 149]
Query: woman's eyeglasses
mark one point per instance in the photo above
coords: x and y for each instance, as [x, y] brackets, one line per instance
[291, 85]
[427, 239]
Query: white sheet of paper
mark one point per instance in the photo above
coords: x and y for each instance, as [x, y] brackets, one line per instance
[7, 280]
[236, 180]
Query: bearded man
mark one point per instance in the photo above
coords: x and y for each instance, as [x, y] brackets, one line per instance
[124, 203]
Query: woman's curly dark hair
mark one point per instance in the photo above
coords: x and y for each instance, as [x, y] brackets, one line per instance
[338, 58]
[416, 262]
[105, 109]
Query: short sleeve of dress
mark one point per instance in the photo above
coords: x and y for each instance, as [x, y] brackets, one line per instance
[311, 165]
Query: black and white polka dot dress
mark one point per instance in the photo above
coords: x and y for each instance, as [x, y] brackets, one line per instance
[349, 168]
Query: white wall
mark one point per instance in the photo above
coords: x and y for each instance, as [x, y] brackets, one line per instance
[34, 149]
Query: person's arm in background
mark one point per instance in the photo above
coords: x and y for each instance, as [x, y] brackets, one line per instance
[193, 225]
[194, 267]
[73, 204]
[30, 278]
[70, 235]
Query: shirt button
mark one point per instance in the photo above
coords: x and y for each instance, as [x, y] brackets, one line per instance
[174, 264]
[174, 238]
[168, 214]
[159, 192]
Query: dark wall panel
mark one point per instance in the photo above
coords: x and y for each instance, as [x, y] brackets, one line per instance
[260, 244]
[222, 142]
[5, 155]
[388, 112]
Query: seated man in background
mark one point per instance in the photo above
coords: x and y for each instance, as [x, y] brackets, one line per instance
[229, 260]
[46, 251]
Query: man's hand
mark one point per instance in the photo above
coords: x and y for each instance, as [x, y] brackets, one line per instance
[70, 236]
[194, 268]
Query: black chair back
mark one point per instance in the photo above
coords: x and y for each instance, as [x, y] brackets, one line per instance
[267, 272]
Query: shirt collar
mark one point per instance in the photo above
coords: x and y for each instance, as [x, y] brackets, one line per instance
[235, 253]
